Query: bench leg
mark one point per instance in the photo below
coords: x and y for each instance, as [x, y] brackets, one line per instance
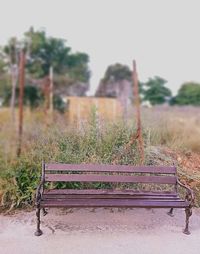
[38, 231]
[170, 213]
[44, 211]
[188, 212]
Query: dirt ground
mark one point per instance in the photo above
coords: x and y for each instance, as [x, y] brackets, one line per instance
[85, 231]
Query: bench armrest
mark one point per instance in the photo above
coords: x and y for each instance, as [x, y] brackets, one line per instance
[189, 195]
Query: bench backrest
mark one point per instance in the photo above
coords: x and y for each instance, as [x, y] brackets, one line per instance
[109, 173]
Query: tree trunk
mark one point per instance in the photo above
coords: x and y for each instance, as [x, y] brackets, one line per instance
[14, 78]
[138, 113]
[51, 91]
[21, 97]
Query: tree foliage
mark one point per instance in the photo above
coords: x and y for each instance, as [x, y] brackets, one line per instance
[117, 72]
[155, 91]
[188, 94]
[11, 51]
[33, 97]
[44, 52]
[4, 79]
[112, 77]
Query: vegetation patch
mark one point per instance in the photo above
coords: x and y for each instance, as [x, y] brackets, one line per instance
[94, 142]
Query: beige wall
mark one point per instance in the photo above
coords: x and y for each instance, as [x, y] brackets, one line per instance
[80, 108]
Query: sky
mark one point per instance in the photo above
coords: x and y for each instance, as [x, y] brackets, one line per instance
[163, 36]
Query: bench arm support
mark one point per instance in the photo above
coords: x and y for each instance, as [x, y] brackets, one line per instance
[189, 193]
[39, 192]
[40, 187]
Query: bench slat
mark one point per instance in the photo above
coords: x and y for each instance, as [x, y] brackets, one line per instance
[110, 168]
[114, 203]
[109, 178]
[106, 196]
[108, 191]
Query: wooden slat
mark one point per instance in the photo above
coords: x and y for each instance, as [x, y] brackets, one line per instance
[106, 196]
[110, 168]
[108, 191]
[114, 203]
[109, 178]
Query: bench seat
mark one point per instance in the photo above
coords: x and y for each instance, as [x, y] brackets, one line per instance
[126, 203]
[110, 198]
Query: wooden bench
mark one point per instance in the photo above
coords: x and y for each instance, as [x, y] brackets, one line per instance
[112, 176]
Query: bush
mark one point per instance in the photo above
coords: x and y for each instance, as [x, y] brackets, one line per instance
[89, 144]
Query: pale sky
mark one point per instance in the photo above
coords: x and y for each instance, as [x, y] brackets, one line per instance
[162, 35]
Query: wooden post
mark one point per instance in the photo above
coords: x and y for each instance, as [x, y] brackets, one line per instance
[21, 97]
[137, 110]
[135, 137]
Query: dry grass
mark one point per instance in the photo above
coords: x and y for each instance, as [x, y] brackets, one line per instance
[94, 142]
[177, 128]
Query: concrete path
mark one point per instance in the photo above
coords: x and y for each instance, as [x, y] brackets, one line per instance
[100, 231]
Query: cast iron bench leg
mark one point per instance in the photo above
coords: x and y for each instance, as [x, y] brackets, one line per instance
[38, 231]
[44, 211]
[170, 213]
[188, 212]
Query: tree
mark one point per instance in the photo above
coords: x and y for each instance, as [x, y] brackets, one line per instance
[116, 82]
[116, 79]
[78, 68]
[117, 72]
[155, 91]
[12, 50]
[45, 52]
[188, 94]
[4, 80]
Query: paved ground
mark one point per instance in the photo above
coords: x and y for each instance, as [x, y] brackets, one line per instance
[100, 231]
